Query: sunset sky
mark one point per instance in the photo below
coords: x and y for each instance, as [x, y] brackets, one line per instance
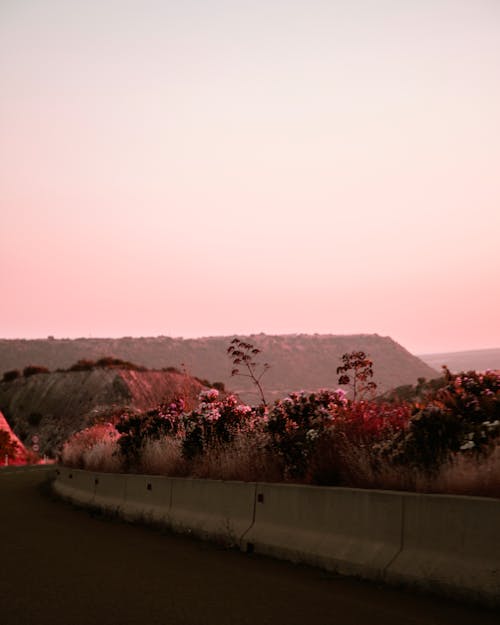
[220, 167]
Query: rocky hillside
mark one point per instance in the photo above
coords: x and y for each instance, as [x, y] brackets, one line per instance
[298, 361]
[54, 405]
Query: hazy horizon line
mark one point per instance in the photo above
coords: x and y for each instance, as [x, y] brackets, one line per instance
[243, 334]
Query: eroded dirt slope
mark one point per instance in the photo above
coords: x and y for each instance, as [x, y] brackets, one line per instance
[54, 405]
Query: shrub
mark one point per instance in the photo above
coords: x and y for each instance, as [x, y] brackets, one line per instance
[218, 386]
[349, 451]
[35, 418]
[34, 370]
[9, 376]
[203, 381]
[462, 417]
[296, 422]
[92, 448]
[83, 365]
[420, 393]
[214, 421]
[109, 362]
[136, 429]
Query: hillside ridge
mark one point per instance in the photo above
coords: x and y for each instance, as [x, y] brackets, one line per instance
[298, 361]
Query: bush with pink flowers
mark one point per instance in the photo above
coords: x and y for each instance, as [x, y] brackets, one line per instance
[216, 421]
[315, 438]
[462, 417]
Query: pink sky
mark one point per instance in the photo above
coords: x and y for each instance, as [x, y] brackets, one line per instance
[212, 167]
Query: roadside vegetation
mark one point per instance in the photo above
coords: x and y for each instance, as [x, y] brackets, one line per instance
[442, 436]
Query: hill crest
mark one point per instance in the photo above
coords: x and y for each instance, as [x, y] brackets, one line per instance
[298, 361]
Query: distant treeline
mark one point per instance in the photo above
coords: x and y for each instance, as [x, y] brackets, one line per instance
[107, 362]
[414, 392]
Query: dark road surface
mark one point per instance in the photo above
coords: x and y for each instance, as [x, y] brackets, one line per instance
[58, 564]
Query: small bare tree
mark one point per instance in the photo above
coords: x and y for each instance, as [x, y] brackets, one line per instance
[243, 354]
[362, 368]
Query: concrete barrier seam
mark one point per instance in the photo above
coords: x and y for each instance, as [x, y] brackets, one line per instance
[401, 540]
[242, 539]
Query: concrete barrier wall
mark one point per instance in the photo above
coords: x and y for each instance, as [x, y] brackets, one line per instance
[212, 508]
[147, 498]
[76, 485]
[109, 491]
[350, 531]
[444, 544]
[451, 544]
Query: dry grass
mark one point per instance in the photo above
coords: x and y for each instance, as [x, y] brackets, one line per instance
[336, 462]
[163, 457]
[94, 448]
[349, 465]
[467, 475]
[463, 475]
[103, 456]
[246, 459]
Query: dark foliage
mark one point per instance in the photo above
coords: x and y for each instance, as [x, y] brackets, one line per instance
[9, 376]
[136, 429]
[34, 370]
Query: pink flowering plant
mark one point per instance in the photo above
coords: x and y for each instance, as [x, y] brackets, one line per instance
[296, 422]
[137, 428]
[215, 421]
[462, 417]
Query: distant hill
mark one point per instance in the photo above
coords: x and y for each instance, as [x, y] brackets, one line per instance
[54, 405]
[298, 361]
[478, 360]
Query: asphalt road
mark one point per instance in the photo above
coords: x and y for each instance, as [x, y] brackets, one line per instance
[59, 564]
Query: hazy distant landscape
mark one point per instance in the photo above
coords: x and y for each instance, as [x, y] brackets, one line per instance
[477, 359]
